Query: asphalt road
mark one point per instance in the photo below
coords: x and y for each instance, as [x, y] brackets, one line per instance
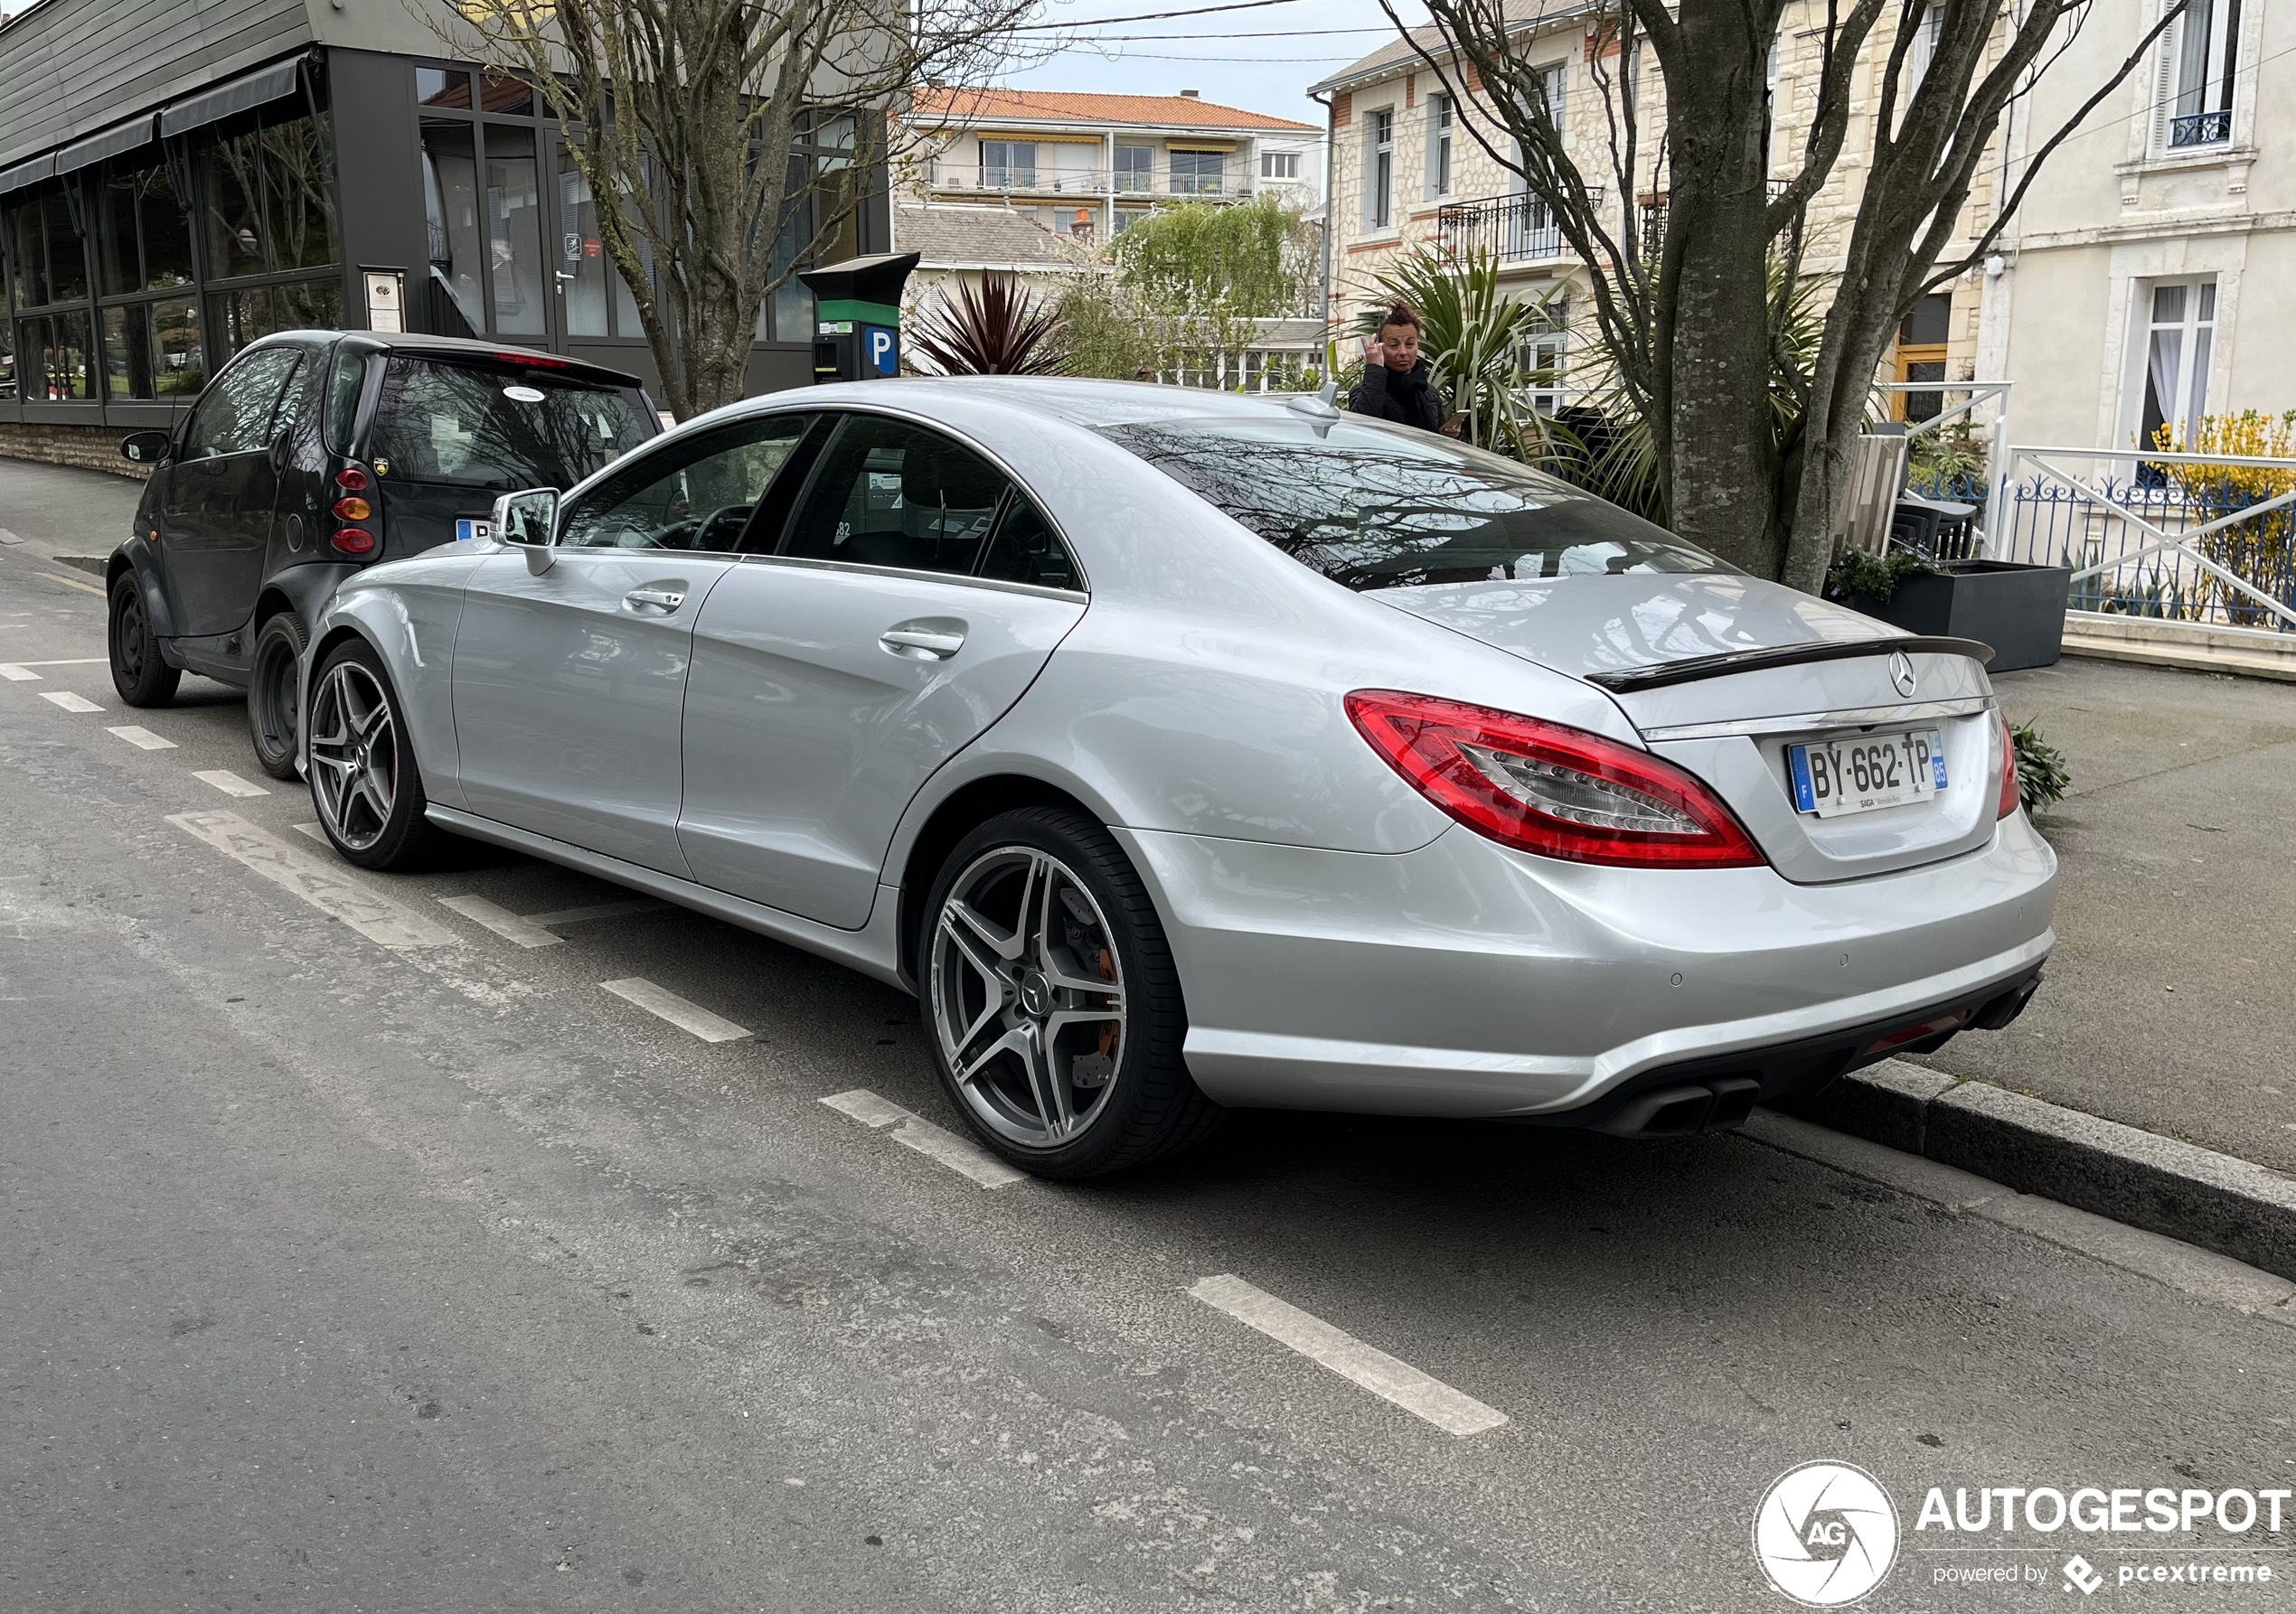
[436, 1277]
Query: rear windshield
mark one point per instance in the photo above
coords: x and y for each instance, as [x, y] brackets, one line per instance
[480, 426]
[1372, 509]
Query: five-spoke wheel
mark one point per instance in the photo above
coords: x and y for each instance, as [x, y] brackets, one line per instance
[1055, 1009]
[364, 777]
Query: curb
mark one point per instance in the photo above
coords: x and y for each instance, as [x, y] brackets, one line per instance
[2179, 1189]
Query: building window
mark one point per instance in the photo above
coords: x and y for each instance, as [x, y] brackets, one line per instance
[1279, 165]
[2192, 95]
[152, 346]
[267, 202]
[1378, 189]
[1542, 358]
[2180, 335]
[50, 263]
[1008, 164]
[1198, 173]
[514, 234]
[1126, 217]
[1927, 31]
[1439, 145]
[1921, 355]
[1135, 168]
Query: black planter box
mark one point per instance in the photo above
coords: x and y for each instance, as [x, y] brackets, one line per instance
[2018, 609]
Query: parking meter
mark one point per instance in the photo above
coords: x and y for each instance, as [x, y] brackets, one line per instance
[857, 312]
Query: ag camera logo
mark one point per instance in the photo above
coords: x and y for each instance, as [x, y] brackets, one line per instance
[1826, 1533]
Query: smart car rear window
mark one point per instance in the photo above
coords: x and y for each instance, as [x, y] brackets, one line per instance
[498, 427]
[1374, 509]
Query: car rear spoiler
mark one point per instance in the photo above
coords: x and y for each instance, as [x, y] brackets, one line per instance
[1693, 667]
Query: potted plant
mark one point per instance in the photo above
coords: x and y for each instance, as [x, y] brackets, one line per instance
[2016, 608]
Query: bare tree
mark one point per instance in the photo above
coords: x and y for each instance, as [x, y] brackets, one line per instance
[727, 143]
[1685, 228]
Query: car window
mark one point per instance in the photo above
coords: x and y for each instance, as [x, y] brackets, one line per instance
[697, 493]
[890, 493]
[1025, 550]
[349, 373]
[1372, 509]
[236, 415]
[499, 427]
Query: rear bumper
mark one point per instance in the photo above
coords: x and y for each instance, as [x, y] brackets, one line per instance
[1467, 979]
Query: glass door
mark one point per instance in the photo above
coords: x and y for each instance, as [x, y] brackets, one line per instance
[594, 302]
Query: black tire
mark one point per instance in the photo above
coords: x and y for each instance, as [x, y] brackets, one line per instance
[381, 826]
[139, 672]
[272, 694]
[1148, 1105]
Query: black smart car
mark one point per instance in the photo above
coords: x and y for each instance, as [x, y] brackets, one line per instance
[314, 453]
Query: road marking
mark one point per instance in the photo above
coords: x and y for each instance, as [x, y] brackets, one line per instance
[605, 910]
[142, 738]
[960, 1155]
[7, 537]
[685, 1016]
[73, 583]
[69, 701]
[70, 662]
[1350, 1358]
[228, 782]
[501, 921]
[316, 833]
[325, 887]
[15, 672]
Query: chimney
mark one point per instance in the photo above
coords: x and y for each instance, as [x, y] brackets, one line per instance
[1191, 95]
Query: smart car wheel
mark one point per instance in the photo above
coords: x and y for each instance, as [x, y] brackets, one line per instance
[364, 777]
[138, 672]
[271, 694]
[1055, 1008]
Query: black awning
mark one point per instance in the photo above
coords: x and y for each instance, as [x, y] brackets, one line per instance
[237, 95]
[26, 173]
[109, 142]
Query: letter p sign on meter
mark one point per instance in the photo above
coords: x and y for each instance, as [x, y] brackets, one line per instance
[881, 349]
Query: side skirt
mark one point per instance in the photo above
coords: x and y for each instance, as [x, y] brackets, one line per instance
[873, 950]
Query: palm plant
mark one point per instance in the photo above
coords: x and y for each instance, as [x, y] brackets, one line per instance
[995, 329]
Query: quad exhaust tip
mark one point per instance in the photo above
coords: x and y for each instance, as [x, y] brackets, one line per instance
[1686, 1111]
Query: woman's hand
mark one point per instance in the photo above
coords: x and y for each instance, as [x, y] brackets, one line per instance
[1373, 351]
[1452, 429]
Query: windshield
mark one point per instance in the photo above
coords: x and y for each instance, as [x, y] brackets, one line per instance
[479, 425]
[1372, 509]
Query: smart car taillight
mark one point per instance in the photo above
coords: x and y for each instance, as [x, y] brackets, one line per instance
[2011, 788]
[355, 540]
[1549, 789]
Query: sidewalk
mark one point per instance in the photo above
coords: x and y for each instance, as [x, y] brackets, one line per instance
[2171, 1004]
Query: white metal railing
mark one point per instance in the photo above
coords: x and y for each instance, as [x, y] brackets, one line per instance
[1042, 179]
[2205, 537]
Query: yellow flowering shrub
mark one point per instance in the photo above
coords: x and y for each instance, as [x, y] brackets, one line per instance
[2258, 549]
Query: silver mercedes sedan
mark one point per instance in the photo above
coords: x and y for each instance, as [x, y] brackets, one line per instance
[1185, 751]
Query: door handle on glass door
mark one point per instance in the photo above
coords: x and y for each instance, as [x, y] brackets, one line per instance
[665, 600]
[919, 642]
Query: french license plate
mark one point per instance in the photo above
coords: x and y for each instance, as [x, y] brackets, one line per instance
[470, 529]
[1868, 773]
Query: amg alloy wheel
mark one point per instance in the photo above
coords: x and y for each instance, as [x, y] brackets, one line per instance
[364, 777]
[1056, 1010]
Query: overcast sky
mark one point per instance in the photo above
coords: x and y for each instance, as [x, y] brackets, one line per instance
[1263, 58]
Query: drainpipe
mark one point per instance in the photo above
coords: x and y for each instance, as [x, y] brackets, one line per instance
[1331, 145]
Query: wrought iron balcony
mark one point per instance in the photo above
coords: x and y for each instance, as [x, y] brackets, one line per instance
[1511, 229]
[2200, 129]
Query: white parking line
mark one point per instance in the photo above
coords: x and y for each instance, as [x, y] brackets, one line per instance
[21, 671]
[685, 1016]
[1350, 1358]
[605, 910]
[71, 582]
[316, 833]
[501, 921]
[69, 701]
[142, 738]
[960, 1155]
[7, 537]
[327, 888]
[228, 782]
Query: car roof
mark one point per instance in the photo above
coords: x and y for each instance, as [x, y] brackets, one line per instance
[461, 347]
[1077, 400]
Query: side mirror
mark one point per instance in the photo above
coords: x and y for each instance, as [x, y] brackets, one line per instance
[529, 519]
[145, 448]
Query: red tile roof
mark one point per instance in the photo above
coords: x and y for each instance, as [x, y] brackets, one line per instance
[1061, 105]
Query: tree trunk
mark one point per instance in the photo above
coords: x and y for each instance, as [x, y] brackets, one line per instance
[1714, 319]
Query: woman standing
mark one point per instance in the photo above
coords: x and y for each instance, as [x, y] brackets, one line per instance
[1394, 385]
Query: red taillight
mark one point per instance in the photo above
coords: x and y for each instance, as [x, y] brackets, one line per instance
[355, 540]
[352, 479]
[2010, 791]
[1559, 792]
[350, 508]
[536, 361]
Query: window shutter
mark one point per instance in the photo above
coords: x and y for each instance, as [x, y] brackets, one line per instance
[1554, 79]
[2164, 85]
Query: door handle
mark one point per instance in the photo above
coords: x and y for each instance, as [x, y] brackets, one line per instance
[919, 643]
[665, 600]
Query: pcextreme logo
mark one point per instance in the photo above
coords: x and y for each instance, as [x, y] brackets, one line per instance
[1825, 1534]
